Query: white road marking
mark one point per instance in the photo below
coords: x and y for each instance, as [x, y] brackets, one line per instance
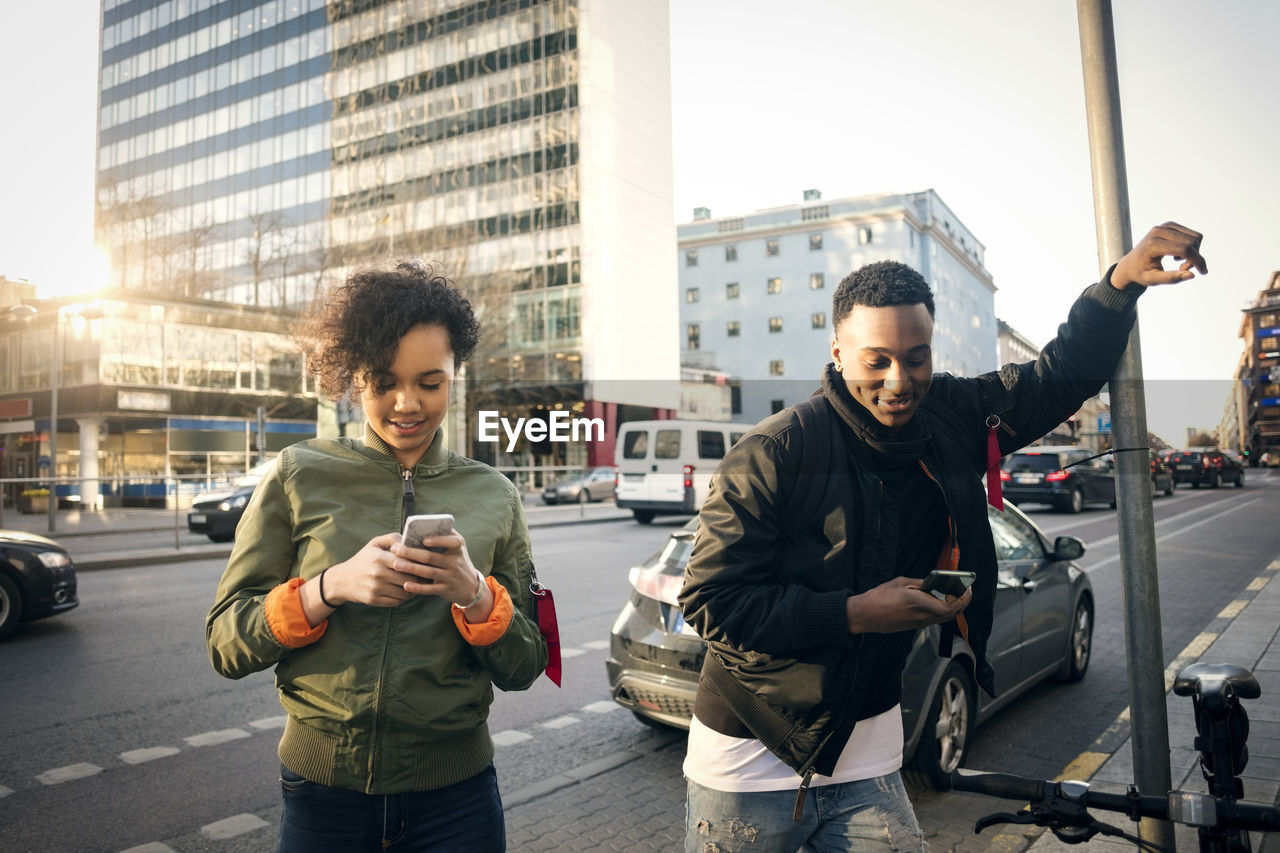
[213, 738]
[150, 847]
[4, 792]
[571, 653]
[559, 722]
[230, 827]
[510, 737]
[270, 722]
[1091, 568]
[602, 707]
[151, 753]
[597, 644]
[59, 775]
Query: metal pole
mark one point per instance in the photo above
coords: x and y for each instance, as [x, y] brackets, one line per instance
[54, 369]
[1143, 647]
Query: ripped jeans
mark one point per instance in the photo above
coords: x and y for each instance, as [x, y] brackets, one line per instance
[870, 814]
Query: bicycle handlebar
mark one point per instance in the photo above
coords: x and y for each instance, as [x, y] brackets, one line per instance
[1184, 807]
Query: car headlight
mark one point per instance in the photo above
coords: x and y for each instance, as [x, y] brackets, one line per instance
[54, 559]
[237, 502]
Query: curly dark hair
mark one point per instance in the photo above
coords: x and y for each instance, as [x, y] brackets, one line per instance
[354, 330]
[879, 285]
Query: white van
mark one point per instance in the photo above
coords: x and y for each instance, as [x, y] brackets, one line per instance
[665, 467]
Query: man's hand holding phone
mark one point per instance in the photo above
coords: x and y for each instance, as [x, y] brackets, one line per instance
[943, 583]
[896, 605]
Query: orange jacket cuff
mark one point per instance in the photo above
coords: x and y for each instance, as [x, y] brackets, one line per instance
[491, 630]
[286, 618]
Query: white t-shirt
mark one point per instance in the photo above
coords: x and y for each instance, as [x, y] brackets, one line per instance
[739, 764]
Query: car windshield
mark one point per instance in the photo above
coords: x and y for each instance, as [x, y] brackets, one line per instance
[256, 473]
[1041, 462]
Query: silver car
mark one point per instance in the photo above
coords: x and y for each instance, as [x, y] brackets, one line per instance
[594, 485]
[1043, 628]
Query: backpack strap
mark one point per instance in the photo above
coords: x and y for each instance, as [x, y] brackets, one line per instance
[818, 453]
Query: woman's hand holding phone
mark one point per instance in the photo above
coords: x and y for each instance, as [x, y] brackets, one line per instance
[436, 557]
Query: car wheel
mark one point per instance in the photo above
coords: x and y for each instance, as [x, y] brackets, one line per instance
[944, 741]
[1074, 502]
[1081, 649]
[10, 606]
[221, 537]
[1168, 490]
[1216, 481]
[584, 497]
[1240, 480]
[644, 516]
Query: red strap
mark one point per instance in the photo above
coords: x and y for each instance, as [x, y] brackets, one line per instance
[995, 497]
[550, 630]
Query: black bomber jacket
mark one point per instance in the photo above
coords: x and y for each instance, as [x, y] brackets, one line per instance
[767, 593]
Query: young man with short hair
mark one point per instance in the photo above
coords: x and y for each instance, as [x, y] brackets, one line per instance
[797, 734]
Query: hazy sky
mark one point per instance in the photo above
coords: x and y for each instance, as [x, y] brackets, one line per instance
[980, 100]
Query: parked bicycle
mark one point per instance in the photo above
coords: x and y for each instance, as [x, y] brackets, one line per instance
[1222, 820]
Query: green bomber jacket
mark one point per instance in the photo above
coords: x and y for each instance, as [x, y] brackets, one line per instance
[388, 699]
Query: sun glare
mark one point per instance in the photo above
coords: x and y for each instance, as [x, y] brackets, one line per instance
[88, 271]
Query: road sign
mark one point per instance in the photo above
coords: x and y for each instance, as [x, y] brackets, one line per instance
[1104, 422]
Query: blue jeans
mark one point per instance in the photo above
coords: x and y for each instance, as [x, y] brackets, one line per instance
[466, 817]
[871, 814]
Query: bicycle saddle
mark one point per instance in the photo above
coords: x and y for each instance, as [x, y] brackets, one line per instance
[1216, 683]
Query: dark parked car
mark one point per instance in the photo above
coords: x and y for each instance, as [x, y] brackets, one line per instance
[1043, 628]
[1207, 466]
[37, 579]
[1058, 475]
[594, 485]
[216, 513]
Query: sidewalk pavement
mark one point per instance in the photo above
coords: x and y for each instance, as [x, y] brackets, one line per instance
[73, 526]
[1246, 633]
[633, 799]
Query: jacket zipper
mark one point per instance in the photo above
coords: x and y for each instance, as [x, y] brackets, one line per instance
[406, 509]
[407, 502]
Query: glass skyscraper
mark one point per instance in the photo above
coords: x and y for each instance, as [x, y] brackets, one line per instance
[254, 152]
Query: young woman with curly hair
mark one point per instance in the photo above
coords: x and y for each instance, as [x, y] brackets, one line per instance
[386, 655]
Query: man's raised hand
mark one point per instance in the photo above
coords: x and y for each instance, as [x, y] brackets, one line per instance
[1144, 264]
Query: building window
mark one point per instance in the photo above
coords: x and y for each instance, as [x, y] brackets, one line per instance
[691, 295]
[775, 325]
[775, 367]
[695, 336]
[731, 252]
[733, 328]
[776, 406]
[731, 290]
[774, 286]
[819, 320]
[864, 235]
[817, 281]
[815, 241]
[691, 258]
[770, 248]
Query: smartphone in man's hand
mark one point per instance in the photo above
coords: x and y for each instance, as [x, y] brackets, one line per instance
[943, 583]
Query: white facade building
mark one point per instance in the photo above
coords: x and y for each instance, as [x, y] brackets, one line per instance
[755, 290]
